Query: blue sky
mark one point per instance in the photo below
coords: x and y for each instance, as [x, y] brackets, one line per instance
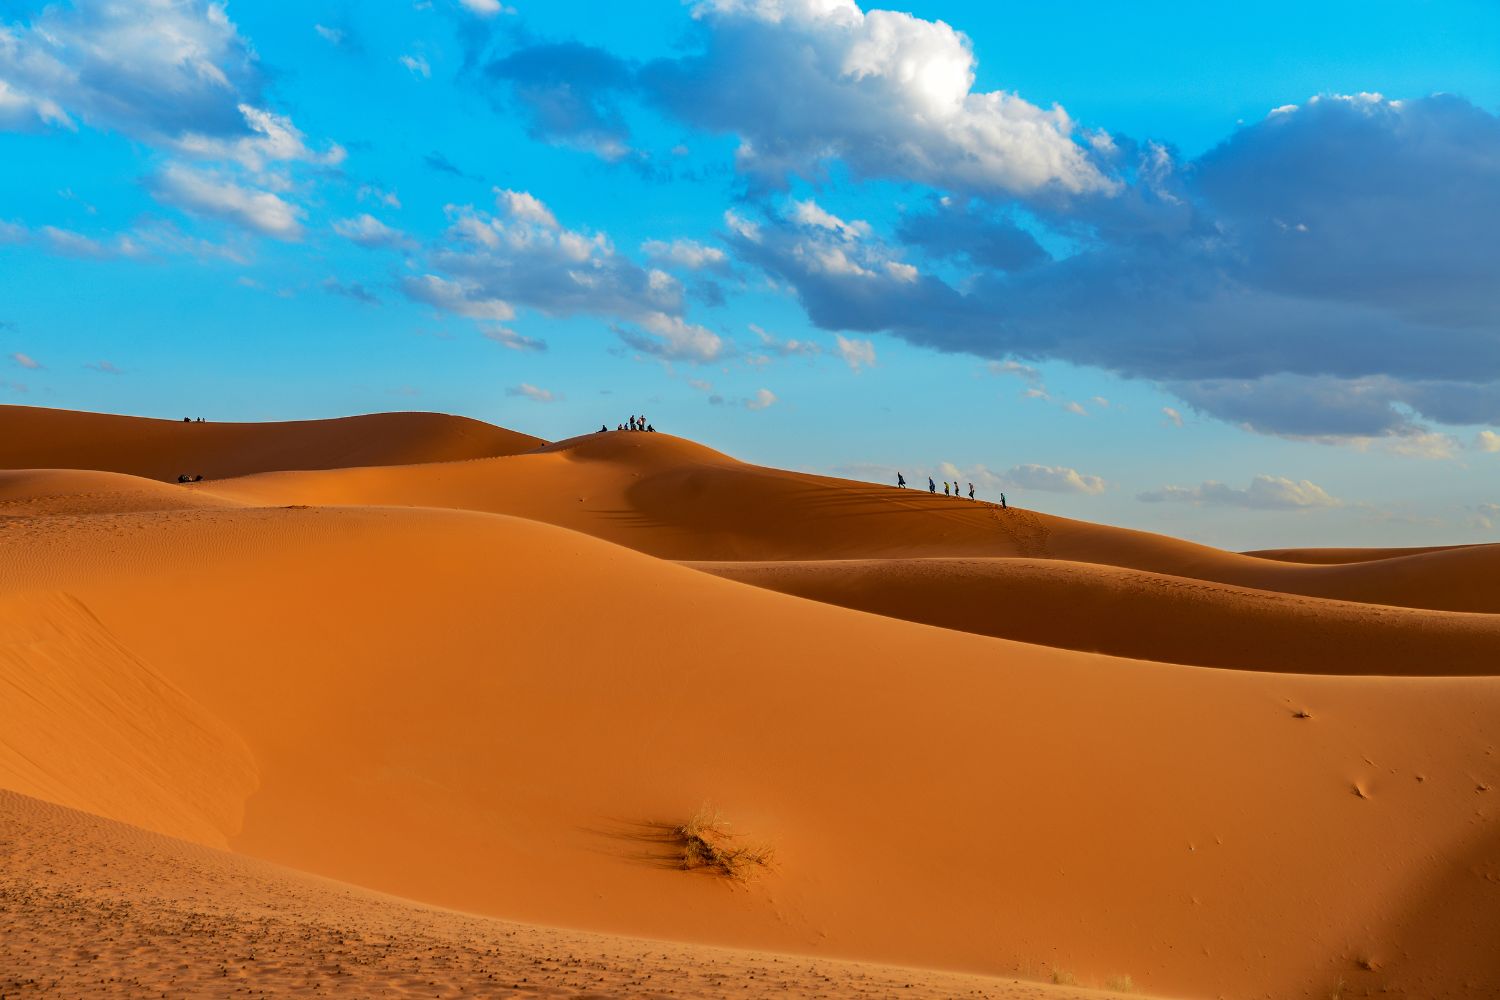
[1227, 274]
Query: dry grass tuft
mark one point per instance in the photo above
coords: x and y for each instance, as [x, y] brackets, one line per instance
[1120, 984]
[1062, 977]
[707, 845]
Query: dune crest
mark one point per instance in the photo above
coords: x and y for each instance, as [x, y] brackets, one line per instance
[38, 438]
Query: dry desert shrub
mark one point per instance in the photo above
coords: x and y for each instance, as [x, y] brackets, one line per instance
[1120, 984]
[707, 845]
[1062, 977]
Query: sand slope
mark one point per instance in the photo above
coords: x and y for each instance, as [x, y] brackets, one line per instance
[1126, 612]
[91, 908]
[490, 713]
[37, 438]
[679, 500]
[83, 722]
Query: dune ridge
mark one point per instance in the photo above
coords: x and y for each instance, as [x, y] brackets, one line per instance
[40, 438]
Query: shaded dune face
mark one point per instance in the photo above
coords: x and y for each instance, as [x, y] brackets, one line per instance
[488, 685]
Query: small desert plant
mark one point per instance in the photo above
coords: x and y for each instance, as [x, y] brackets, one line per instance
[707, 845]
[1120, 984]
[1338, 991]
[1062, 977]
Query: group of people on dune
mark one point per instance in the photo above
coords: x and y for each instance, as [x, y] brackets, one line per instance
[633, 424]
[949, 489]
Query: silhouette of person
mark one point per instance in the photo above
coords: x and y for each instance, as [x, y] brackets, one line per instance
[945, 487]
[632, 423]
[900, 481]
[1002, 502]
[971, 491]
[651, 429]
[931, 486]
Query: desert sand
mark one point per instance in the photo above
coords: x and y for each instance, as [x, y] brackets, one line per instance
[490, 679]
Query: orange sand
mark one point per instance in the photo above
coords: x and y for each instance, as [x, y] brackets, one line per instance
[485, 708]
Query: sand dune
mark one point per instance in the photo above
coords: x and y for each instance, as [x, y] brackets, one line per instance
[679, 500]
[70, 492]
[483, 685]
[37, 438]
[428, 717]
[1125, 612]
[91, 908]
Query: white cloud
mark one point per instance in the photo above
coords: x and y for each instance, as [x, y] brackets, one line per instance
[370, 232]
[1075, 407]
[273, 140]
[210, 194]
[785, 348]
[526, 207]
[1052, 479]
[25, 361]
[457, 298]
[373, 193]
[810, 213]
[1487, 441]
[333, 36]
[686, 253]
[1263, 493]
[675, 339]
[889, 93]
[762, 399]
[486, 8]
[506, 337]
[857, 354]
[417, 65]
[528, 391]
[1173, 417]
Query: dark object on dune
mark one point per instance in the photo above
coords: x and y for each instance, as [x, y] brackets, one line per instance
[185, 478]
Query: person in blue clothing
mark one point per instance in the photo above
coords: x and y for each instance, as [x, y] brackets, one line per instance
[900, 481]
[931, 486]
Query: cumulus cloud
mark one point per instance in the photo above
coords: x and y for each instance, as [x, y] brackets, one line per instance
[857, 354]
[887, 93]
[1487, 441]
[674, 339]
[489, 264]
[762, 399]
[1263, 493]
[485, 8]
[209, 194]
[686, 254]
[175, 74]
[1052, 479]
[508, 338]
[1325, 273]
[456, 297]
[528, 391]
[790, 347]
[368, 231]
[156, 69]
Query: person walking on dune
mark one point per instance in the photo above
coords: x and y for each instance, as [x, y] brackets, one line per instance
[1002, 502]
[931, 486]
[945, 488]
[900, 481]
[971, 491]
